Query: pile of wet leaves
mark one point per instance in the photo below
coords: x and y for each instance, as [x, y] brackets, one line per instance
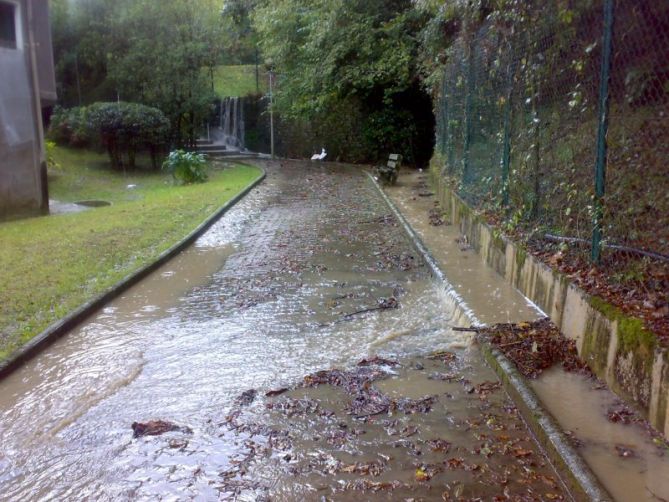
[436, 217]
[534, 346]
[157, 428]
[621, 413]
[342, 432]
[638, 287]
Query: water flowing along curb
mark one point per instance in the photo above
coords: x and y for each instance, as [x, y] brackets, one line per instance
[62, 326]
[580, 480]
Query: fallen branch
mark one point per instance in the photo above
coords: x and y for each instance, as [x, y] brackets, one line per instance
[472, 329]
[364, 311]
[616, 247]
[373, 414]
[511, 344]
[384, 304]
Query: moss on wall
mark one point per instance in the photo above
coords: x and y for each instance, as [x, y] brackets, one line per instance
[632, 334]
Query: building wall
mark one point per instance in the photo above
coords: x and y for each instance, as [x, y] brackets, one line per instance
[44, 53]
[22, 179]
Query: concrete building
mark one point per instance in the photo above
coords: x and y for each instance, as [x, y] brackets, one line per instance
[27, 85]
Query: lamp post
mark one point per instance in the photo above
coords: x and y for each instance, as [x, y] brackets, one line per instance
[269, 65]
[271, 111]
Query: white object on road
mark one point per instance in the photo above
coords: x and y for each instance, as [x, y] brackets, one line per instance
[320, 156]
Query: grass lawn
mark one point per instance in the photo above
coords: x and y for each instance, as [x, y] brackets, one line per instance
[51, 265]
[239, 80]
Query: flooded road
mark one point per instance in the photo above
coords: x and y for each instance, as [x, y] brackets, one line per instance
[288, 283]
[624, 456]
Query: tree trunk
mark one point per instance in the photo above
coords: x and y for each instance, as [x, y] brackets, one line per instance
[132, 154]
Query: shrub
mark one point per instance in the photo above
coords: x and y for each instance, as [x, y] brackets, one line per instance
[51, 161]
[68, 127]
[186, 167]
[124, 128]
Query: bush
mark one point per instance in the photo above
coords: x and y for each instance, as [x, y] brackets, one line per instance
[68, 127]
[122, 128]
[125, 128]
[186, 167]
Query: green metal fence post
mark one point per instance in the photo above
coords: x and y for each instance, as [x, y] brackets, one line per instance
[449, 132]
[466, 175]
[506, 154]
[444, 115]
[443, 139]
[602, 130]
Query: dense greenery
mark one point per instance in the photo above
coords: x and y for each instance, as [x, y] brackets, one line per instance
[355, 76]
[162, 54]
[122, 129]
[349, 69]
[348, 72]
[68, 126]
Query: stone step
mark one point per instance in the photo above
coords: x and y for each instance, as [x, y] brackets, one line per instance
[210, 147]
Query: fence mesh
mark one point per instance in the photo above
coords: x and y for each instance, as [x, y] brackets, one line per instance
[518, 122]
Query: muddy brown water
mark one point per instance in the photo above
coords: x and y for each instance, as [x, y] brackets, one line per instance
[578, 403]
[259, 302]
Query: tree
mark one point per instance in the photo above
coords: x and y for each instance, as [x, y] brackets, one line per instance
[125, 128]
[81, 33]
[154, 53]
[336, 55]
[163, 51]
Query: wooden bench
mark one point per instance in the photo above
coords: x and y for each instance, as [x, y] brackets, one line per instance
[388, 173]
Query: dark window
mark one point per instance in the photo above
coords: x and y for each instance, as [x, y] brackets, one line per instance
[7, 25]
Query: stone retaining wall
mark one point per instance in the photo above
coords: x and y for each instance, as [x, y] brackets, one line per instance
[617, 347]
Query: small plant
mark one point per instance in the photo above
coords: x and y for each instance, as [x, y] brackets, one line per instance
[186, 167]
[50, 159]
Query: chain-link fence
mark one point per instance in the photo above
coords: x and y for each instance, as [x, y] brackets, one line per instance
[553, 118]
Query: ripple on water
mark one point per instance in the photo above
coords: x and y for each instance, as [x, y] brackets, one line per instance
[261, 300]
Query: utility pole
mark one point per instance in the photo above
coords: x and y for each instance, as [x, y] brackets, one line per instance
[271, 110]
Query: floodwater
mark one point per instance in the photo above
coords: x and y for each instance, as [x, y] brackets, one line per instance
[261, 300]
[579, 404]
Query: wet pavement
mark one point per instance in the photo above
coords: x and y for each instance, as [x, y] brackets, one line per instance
[309, 272]
[631, 462]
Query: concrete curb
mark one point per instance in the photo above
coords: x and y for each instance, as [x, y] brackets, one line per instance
[579, 479]
[62, 326]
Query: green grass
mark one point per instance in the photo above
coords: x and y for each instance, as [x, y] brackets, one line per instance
[239, 80]
[51, 265]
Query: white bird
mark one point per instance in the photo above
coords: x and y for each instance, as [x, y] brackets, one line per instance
[319, 156]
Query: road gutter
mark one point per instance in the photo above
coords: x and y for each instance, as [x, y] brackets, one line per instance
[576, 475]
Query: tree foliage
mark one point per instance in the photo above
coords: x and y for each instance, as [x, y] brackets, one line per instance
[334, 54]
[122, 129]
[154, 53]
[68, 126]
